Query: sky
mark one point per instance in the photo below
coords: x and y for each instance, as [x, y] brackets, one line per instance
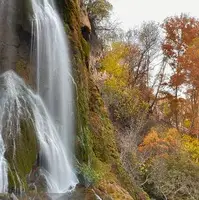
[133, 12]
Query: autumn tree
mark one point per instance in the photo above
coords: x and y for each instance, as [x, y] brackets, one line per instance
[146, 64]
[147, 40]
[190, 61]
[130, 64]
[180, 31]
[124, 100]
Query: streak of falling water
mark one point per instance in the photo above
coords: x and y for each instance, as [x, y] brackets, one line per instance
[3, 166]
[54, 83]
[18, 103]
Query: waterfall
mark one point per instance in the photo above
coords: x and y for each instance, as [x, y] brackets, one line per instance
[51, 109]
[54, 81]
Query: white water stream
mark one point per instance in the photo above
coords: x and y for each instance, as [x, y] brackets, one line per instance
[54, 82]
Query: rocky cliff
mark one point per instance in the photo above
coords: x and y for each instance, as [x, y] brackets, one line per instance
[96, 150]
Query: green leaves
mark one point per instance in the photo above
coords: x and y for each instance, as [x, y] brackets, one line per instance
[98, 10]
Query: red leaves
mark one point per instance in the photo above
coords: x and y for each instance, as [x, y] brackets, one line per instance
[177, 79]
[181, 32]
[168, 50]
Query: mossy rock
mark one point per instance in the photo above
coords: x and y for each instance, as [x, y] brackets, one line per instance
[21, 154]
[24, 70]
[113, 190]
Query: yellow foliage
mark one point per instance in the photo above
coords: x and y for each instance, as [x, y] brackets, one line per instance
[187, 123]
[125, 100]
[191, 145]
[114, 64]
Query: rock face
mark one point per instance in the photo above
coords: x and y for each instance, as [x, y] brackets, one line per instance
[84, 19]
[15, 38]
[85, 23]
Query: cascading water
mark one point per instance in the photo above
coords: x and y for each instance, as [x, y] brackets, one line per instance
[19, 103]
[54, 82]
[3, 165]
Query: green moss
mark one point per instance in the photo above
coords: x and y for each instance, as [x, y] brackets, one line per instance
[21, 155]
[103, 137]
[96, 148]
[86, 48]
[21, 66]
[91, 177]
[24, 70]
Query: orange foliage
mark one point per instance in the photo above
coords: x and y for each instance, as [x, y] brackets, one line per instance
[156, 144]
[190, 62]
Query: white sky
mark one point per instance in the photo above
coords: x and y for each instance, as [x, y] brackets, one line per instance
[133, 12]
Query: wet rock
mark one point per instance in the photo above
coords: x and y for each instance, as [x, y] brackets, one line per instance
[15, 36]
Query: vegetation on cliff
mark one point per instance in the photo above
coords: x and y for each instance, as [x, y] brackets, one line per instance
[149, 85]
[97, 151]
